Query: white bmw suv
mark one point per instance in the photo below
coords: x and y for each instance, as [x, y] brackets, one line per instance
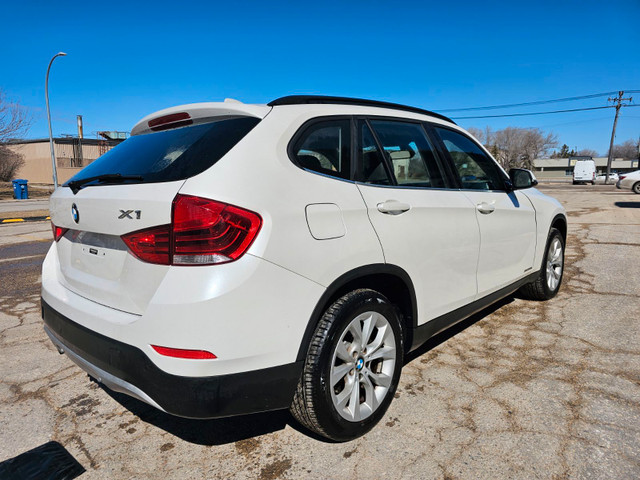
[231, 258]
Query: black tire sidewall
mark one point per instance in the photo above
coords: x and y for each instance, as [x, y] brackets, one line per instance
[336, 426]
[636, 188]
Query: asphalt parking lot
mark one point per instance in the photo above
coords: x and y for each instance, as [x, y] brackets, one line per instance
[521, 390]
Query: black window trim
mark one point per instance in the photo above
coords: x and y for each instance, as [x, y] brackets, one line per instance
[355, 159]
[451, 164]
[448, 166]
[386, 160]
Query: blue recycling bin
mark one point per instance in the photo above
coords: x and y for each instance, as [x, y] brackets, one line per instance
[20, 189]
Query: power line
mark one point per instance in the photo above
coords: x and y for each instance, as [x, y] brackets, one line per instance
[584, 120]
[538, 113]
[540, 102]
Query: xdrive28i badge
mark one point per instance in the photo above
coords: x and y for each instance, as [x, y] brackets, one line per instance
[75, 213]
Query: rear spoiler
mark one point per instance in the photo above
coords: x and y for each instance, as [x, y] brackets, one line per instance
[196, 113]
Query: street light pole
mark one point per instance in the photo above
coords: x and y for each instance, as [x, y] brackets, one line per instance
[46, 93]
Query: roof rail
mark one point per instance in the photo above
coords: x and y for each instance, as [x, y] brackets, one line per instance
[321, 99]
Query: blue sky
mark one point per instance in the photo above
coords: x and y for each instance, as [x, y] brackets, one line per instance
[127, 60]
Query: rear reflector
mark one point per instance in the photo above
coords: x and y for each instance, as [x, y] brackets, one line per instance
[182, 353]
[202, 232]
[58, 232]
[173, 120]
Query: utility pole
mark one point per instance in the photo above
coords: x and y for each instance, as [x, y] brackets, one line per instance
[618, 101]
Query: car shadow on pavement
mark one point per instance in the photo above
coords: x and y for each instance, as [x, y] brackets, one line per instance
[627, 204]
[442, 337]
[205, 432]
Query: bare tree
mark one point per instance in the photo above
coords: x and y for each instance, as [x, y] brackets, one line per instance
[477, 133]
[536, 144]
[508, 142]
[627, 150]
[14, 119]
[485, 136]
[518, 147]
[586, 152]
[14, 123]
[10, 162]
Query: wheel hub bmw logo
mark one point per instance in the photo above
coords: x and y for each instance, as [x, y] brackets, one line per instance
[359, 364]
[74, 213]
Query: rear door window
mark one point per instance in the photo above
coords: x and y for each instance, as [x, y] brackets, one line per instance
[171, 155]
[410, 153]
[325, 147]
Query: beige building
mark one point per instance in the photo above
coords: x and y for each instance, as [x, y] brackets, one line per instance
[72, 154]
[558, 168]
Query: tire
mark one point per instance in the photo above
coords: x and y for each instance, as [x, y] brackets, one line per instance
[636, 188]
[549, 279]
[347, 385]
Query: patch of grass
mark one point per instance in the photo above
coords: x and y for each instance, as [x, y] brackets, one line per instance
[35, 191]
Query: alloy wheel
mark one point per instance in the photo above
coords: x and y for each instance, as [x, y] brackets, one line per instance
[362, 366]
[554, 264]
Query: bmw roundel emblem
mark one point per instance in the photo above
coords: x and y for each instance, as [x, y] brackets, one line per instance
[75, 213]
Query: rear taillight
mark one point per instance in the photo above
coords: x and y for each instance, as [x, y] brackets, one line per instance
[150, 245]
[206, 232]
[622, 177]
[202, 232]
[58, 232]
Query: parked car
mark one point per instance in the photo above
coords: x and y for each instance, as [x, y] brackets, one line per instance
[584, 171]
[231, 258]
[630, 181]
[613, 178]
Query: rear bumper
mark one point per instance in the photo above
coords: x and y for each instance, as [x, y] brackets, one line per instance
[128, 369]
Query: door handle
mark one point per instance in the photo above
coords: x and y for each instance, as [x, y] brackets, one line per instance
[485, 208]
[393, 207]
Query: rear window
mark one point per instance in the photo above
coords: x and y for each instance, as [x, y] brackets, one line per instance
[172, 154]
[325, 147]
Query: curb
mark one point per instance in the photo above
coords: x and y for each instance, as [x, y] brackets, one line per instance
[20, 220]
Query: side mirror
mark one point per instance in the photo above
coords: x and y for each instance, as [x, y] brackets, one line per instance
[522, 178]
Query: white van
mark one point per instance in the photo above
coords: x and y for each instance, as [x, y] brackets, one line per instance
[584, 171]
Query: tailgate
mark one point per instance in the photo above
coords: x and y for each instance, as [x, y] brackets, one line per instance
[94, 261]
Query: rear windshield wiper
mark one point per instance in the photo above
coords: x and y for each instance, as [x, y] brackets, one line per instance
[76, 185]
